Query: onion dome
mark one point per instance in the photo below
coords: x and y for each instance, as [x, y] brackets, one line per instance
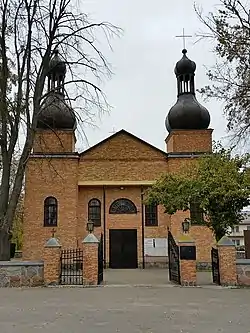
[185, 65]
[57, 65]
[187, 113]
[55, 113]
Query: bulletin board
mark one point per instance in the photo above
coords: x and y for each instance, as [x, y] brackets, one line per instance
[156, 247]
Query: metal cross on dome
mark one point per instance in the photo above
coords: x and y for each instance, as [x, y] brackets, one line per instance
[184, 37]
[113, 131]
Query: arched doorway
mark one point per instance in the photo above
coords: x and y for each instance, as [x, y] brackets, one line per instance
[123, 242]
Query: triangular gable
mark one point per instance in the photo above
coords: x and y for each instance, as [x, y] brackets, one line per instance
[123, 144]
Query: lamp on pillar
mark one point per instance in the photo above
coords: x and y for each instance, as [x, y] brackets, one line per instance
[90, 226]
[185, 226]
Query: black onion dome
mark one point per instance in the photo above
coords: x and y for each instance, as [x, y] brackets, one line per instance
[56, 114]
[57, 65]
[187, 114]
[185, 65]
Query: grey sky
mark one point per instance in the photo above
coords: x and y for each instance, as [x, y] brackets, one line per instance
[143, 87]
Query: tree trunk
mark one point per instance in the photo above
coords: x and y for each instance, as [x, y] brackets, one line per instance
[4, 245]
[219, 233]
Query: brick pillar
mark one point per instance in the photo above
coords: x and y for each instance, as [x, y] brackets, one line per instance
[51, 258]
[227, 262]
[90, 260]
[187, 250]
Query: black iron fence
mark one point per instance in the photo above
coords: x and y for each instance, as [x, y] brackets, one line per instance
[215, 265]
[174, 260]
[100, 260]
[71, 267]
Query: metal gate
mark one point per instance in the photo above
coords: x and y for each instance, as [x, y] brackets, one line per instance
[173, 260]
[71, 267]
[215, 266]
[100, 260]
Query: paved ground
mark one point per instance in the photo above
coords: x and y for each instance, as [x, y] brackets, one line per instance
[146, 277]
[125, 309]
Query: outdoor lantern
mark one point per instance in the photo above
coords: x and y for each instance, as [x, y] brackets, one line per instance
[185, 226]
[90, 226]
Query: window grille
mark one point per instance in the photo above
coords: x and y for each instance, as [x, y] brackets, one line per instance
[122, 206]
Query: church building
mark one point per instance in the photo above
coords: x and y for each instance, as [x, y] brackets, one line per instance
[106, 183]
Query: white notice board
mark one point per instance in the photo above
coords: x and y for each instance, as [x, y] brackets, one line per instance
[156, 247]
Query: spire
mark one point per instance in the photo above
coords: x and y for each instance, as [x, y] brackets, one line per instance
[55, 113]
[187, 113]
[56, 73]
[185, 72]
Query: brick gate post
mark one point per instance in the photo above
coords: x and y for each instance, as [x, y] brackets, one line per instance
[187, 251]
[227, 261]
[51, 258]
[90, 260]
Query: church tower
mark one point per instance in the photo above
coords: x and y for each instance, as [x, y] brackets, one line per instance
[56, 121]
[51, 176]
[187, 121]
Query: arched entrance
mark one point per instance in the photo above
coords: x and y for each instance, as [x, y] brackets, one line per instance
[123, 251]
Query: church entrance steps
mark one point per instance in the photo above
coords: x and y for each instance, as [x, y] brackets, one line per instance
[151, 276]
[147, 277]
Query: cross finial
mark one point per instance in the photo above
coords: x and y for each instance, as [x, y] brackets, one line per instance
[53, 231]
[184, 36]
[113, 131]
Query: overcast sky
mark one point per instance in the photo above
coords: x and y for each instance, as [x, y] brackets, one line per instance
[143, 87]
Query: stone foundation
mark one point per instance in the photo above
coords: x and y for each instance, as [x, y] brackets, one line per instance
[21, 274]
[203, 266]
[155, 262]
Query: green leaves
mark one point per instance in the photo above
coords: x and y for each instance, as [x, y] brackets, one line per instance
[219, 182]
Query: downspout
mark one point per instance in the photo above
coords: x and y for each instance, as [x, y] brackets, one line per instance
[142, 228]
[104, 226]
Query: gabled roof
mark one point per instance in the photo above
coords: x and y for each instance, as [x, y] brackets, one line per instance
[122, 131]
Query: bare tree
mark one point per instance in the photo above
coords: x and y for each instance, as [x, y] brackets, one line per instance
[30, 31]
[229, 27]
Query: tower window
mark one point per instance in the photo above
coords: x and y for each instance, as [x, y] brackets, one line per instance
[196, 213]
[50, 212]
[122, 206]
[94, 212]
[151, 215]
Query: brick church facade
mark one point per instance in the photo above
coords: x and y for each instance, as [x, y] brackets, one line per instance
[106, 183]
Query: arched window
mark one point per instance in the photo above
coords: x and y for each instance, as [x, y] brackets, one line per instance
[122, 206]
[50, 212]
[94, 212]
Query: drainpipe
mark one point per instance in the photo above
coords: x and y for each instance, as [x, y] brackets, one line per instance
[104, 225]
[142, 228]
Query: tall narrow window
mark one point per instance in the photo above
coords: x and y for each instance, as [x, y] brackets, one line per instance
[122, 206]
[50, 212]
[151, 215]
[196, 213]
[94, 212]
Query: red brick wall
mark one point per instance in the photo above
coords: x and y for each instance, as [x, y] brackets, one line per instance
[122, 158]
[180, 141]
[54, 141]
[55, 177]
[114, 221]
[90, 263]
[227, 265]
